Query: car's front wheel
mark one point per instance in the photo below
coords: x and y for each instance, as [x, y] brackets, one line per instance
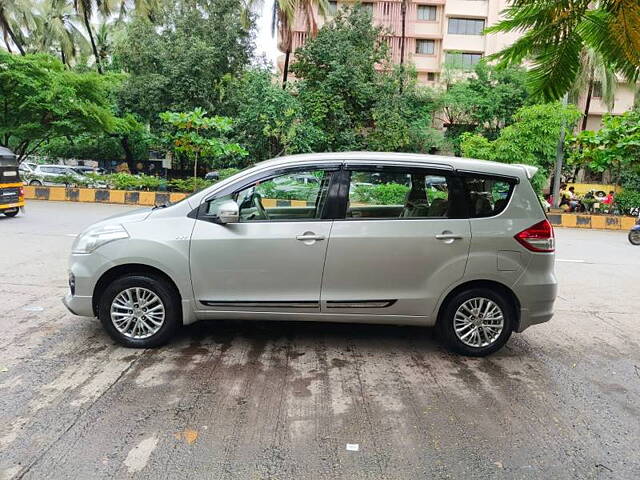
[477, 322]
[140, 311]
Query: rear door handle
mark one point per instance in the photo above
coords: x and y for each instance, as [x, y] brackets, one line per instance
[449, 236]
[309, 237]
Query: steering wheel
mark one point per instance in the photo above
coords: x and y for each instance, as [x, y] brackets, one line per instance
[257, 202]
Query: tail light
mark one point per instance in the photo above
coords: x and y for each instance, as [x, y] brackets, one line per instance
[538, 238]
[22, 191]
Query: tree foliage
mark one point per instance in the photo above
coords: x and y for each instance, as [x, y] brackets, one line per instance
[352, 103]
[532, 139]
[178, 63]
[556, 33]
[615, 147]
[41, 100]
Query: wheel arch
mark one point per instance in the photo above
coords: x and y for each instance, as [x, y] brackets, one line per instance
[130, 269]
[490, 284]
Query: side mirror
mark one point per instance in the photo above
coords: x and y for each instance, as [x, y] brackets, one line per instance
[226, 212]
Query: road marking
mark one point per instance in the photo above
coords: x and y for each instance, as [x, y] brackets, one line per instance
[70, 234]
[139, 456]
[570, 261]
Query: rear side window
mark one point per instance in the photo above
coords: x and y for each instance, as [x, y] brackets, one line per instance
[401, 194]
[487, 196]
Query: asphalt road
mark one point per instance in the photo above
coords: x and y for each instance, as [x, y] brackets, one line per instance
[258, 400]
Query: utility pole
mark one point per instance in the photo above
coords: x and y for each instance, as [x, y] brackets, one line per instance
[403, 13]
[559, 158]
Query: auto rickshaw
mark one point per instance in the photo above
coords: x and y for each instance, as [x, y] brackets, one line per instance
[11, 189]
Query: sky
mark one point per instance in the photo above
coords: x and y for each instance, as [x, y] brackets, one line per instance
[265, 43]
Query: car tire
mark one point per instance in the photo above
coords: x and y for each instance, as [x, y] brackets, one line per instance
[482, 310]
[35, 183]
[634, 237]
[11, 213]
[148, 287]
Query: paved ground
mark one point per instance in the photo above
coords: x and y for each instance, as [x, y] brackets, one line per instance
[283, 400]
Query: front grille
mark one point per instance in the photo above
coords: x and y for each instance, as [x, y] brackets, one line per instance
[9, 195]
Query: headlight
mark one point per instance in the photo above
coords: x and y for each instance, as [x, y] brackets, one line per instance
[96, 237]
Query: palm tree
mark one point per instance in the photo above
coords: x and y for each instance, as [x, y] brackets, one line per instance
[594, 70]
[57, 31]
[85, 10]
[284, 14]
[14, 14]
[556, 33]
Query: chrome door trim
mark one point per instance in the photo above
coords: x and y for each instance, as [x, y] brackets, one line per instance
[268, 304]
[360, 303]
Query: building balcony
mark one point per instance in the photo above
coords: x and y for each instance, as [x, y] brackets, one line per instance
[466, 8]
[464, 43]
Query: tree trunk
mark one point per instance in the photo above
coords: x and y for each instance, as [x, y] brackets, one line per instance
[62, 57]
[587, 104]
[6, 43]
[87, 25]
[15, 40]
[128, 154]
[195, 171]
[285, 70]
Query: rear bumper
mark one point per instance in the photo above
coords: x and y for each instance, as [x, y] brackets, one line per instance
[11, 206]
[538, 306]
[78, 305]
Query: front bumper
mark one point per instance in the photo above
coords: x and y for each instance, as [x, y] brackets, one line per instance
[78, 305]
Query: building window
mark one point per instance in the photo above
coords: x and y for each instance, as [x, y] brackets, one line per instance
[386, 9]
[466, 26]
[431, 76]
[462, 59]
[368, 6]
[333, 8]
[427, 12]
[425, 47]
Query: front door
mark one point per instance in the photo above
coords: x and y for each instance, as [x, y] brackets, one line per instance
[404, 239]
[273, 258]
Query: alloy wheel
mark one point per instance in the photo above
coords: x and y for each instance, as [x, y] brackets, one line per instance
[137, 313]
[478, 322]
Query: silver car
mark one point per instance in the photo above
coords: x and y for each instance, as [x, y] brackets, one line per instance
[459, 244]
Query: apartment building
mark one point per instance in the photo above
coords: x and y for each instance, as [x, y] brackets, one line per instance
[449, 31]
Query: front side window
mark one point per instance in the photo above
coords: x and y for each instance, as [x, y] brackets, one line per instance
[427, 12]
[425, 47]
[466, 26]
[298, 195]
[400, 194]
[487, 196]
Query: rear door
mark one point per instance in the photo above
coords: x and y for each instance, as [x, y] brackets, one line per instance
[403, 239]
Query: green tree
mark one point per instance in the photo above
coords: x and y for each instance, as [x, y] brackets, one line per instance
[484, 102]
[40, 100]
[180, 61]
[531, 139]
[556, 33]
[615, 147]
[186, 137]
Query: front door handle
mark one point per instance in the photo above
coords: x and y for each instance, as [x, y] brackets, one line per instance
[308, 236]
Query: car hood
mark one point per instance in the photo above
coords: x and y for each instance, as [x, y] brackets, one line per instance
[137, 215]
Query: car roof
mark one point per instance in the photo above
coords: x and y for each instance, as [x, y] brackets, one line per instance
[441, 161]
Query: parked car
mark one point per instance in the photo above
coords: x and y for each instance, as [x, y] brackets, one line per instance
[214, 175]
[476, 260]
[55, 175]
[84, 169]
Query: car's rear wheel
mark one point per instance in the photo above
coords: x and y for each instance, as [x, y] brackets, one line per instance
[140, 311]
[35, 183]
[477, 322]
[11, 213]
